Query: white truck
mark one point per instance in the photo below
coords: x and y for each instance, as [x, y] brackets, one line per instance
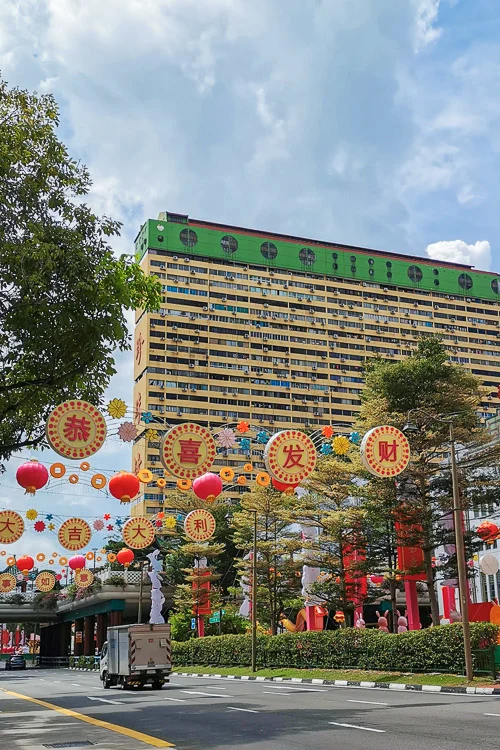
[135, 655]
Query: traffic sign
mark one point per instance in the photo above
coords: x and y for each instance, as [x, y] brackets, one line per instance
[215, 618]
[193, 623]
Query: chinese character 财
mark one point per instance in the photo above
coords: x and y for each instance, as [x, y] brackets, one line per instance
[387, 451]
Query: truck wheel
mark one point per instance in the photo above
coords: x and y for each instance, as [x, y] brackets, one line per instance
[157, 685]
[106, 682]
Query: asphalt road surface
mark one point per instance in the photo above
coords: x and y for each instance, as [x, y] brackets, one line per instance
[221, 714]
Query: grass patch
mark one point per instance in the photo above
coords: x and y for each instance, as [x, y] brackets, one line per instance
[444, 680]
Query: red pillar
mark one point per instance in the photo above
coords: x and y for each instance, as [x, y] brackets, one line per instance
[412, 605]
[114, 618]
[314, 618]
[201, 626]
[78, 647]
[449, 603]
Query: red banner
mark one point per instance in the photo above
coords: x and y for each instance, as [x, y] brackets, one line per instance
[356, 583]
[201, 593]
[410, 558]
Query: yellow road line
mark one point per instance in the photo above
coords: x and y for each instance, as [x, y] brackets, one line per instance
[140, 736]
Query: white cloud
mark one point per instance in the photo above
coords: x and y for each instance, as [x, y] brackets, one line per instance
[426, 14]
[468, 195]
[477, 254]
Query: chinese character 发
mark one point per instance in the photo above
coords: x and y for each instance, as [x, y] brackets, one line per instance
[74, 534]
[200, 524]
[77, 428]
[387, 451]
[189, 452]
[293, 456]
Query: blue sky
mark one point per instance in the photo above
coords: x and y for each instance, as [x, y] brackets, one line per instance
[370, 123]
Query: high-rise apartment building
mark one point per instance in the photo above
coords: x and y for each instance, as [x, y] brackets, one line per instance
[276, 329]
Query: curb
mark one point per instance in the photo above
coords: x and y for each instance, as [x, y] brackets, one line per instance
[351, 683]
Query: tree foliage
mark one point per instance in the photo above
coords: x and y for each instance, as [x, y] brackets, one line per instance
[63, 293]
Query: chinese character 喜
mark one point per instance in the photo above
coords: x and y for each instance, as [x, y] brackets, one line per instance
[190, 451]
[76, 428]
[293, 456]
[387, 451]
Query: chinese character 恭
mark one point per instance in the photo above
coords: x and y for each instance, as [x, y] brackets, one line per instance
[387, 451]
[84, 577]
[76, 428]
[5, 583]
[189, 452]
[293, 456]
[74, 534]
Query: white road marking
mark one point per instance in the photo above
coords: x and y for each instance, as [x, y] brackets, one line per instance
[209, 695]
[301, 689]
[492, 714]
[105, 700]
[354, 726]
[214, 687]
[56, 682]
[246, 710]
[176, 700]
[76, 684]
[267, 692]
[372, 703]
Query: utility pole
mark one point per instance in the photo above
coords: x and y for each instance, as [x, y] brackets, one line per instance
[254, 594]
[141, 585]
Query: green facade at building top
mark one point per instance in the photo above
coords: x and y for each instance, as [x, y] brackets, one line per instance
[179, 234]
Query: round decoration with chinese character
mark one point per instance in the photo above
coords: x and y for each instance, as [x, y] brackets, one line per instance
[7, 582]
[84, 578]
[73, 534]
[11, 526]
[45, 581]
[76, 429]
[290, 456]
[138, 533]
[188, 450]
[385, 451]
[199, 525]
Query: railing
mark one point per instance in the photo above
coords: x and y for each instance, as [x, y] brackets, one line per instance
[129, 576]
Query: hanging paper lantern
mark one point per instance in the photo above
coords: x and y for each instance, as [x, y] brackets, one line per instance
[283, 487]
[32, 476]
[208, 486]
[125, 557]
[124, 486]
[24, 564]
[58, 577]
[77, 562]
[487, 531]
[377, 580]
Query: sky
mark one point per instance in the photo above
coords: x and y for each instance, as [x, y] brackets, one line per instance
[370, 123]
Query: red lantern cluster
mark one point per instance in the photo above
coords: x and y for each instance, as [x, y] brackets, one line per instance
[125, 557]
[376, 580]
[77, 562]
[124, 486]
[488, 531]
[32, 476]
[282, 487]
[208, 486]
[25, 564]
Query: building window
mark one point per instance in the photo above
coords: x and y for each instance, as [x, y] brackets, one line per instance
[335, 256]
[495, 285]
[269, 250]
[353, 259]
[371, 261]
[160, 238]
[353, 269]
[465, 281]
[415, 274]
[435, 271]
[335, 266]
[389, 264]
[229, 244]
[188, 237]
[436, 282]
[307, 257]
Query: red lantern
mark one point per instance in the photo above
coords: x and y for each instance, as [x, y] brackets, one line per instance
[32, 476]
[282, 487]
[124, 486]
[77, 562]
[377, 580]
[24, 564]
[58, 577]
[487, 531]
[208, 486]
[125, 557]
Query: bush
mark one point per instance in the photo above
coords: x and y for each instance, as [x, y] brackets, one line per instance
[115, 580]
[438, 649]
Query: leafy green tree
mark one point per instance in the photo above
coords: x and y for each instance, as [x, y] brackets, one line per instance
[63, 293]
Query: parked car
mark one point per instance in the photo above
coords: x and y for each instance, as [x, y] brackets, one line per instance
[16, 661]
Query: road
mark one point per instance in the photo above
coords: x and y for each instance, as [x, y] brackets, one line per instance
[221, 714]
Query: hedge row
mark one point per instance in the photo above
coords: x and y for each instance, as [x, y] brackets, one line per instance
[438, 649]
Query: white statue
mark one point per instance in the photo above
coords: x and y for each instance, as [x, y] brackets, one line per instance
[157, 598]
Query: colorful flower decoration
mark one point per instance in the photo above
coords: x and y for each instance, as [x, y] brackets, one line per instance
[262, 437]
[147, 417]
[98, 524]
[31, 514]
[117, 408]
[107, 516]
[161, 514]
[127, 431]
[243, 427]
[226, 438]
[355, 437]
[326, 449]
[327, 431]
[245, 444]
[152, 436]
[340, 445]
[119, 522]
[170, 523]
[51, 526]
[39, 526]
[158, 524]
[110, 527]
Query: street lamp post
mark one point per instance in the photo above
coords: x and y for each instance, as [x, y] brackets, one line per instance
[459, 538]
